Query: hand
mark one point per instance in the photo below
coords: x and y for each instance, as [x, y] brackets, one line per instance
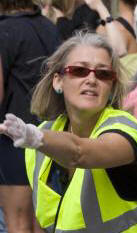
[58, 13]
[23, 135]
[93, 4]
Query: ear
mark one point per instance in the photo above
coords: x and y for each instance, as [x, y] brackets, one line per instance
[57, 83]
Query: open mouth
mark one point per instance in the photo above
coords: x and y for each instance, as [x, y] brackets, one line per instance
[89, 93]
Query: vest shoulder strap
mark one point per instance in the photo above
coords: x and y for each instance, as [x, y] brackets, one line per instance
[48, 125]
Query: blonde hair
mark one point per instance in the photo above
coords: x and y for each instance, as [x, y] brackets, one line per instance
[67, 7]
[42, 3]
[46, 103]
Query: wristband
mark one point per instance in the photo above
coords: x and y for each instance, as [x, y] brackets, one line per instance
[104, 22]
[109, 19]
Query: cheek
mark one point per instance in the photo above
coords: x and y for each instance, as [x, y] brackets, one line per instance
[69, 85]
[106, 89]
[67, 89]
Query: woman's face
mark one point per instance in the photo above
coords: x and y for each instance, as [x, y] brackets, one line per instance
[88, 94]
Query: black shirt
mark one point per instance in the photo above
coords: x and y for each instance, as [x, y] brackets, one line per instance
[83, 17]
[25, 40]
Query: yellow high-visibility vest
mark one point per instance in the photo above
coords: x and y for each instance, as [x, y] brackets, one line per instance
[90, 204]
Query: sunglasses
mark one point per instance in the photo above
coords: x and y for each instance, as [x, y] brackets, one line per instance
[82, 72]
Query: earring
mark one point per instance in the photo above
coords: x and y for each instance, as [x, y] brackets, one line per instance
[59, 91]
[110, 99]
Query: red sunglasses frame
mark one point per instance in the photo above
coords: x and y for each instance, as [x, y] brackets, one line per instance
[72, 69]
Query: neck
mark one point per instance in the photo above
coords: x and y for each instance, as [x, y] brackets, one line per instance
[82, 126]
[126, 12]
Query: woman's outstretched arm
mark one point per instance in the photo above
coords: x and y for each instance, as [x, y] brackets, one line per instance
[69, 150]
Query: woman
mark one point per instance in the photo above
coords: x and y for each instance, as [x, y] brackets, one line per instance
[26, 38]
[54, 9]
[119, 31]
[68, 15]
[126, 24]
[88, 146]
[130, 101]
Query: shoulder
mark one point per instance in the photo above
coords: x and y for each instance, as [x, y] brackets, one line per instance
[111, 112]
[57, 124]
[117, 120]
[44, 21]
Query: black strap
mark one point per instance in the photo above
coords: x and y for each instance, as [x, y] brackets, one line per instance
[126, 24]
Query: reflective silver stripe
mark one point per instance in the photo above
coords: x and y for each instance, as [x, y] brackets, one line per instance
[92, 216]
[91, 211]
[39, 160]
[73, 231]
[119, 119]
[49, 229]
[89, 201]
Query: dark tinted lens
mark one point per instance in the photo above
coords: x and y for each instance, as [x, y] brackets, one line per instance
[79, 71]
[105, 74]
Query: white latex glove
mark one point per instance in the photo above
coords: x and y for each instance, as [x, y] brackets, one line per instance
[23, 135]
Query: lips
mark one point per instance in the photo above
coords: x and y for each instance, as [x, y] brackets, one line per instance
[89, 92]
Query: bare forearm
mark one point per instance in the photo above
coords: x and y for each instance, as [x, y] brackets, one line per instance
[69, 150]
[116, 39]
[111, 30]
[73, 152]
[63, 147]
[113, 33]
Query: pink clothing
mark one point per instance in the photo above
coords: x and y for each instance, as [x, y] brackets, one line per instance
[130, 102]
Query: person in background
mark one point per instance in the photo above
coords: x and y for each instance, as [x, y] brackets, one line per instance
[126, 26]
[126, 12]
[69, 15]
[1, 83]
[2, 222]
[53, 9]
[26, 38]
[135, 24]
[88, 14]
[119, 30]
[130, 101]
[87, 135]
[127, 21]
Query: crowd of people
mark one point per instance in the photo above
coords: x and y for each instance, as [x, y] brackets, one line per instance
[68, 109]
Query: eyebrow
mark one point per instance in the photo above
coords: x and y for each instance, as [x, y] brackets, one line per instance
[87, 64]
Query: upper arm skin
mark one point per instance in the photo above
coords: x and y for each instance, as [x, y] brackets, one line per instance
[71, 151]
[109, 150]
[130, 41]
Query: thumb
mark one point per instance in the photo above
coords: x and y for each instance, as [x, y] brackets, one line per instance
[3, 128]
[19, 143]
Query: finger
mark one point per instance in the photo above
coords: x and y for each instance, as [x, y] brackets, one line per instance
[13, 131]
[19, 143]
[10, 116]
[3, 128]
[9, 123]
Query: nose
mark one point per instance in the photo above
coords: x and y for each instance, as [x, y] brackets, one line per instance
[91, 78]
